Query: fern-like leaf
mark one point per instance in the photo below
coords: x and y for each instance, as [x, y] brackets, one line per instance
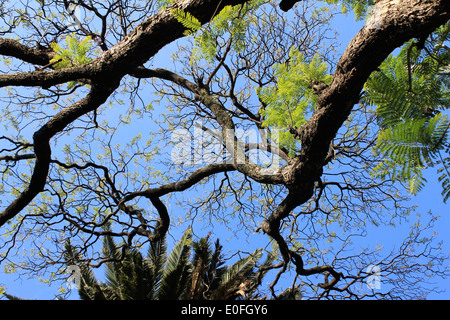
[188, 21]
[409, 95]
[410, 147]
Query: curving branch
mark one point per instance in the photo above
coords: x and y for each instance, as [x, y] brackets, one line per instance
[401, 21]
[105, 72]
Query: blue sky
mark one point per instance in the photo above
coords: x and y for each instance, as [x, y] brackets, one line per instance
[428, 199]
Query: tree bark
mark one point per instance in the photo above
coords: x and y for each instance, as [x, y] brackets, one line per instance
[400, 21]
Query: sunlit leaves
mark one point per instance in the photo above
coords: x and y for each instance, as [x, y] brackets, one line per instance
[292, 98]
[410, 94]
[359, 7]
[232, 20]
[187, 20]
[410, 147]
[444, 178]
[74, 52]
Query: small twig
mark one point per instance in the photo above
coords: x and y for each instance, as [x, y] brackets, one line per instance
[49, 65]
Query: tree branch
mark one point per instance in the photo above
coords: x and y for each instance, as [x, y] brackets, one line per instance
[182, 185]
[401, 21]
[105, 72]
[13, 48]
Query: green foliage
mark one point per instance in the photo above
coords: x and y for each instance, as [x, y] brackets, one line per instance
[75, 52]
[289, 101]
[161, 4]
[187, 20]
[90, 287]
[444, 177]
[359, 7]
[410, 95]
[160, 276]
[410, 147]
[177, 270]
[232, 20]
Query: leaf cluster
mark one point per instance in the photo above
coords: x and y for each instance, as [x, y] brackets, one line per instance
[74, 53]
[411, 96]
[232, 20]
[172, 276]
[360, 7]
[292, 98]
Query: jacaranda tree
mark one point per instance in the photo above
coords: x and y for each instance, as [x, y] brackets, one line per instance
[237, 116]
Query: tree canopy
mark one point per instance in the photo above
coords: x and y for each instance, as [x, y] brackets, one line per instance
[255, 127]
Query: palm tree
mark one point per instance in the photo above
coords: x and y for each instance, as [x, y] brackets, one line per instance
[173, 277]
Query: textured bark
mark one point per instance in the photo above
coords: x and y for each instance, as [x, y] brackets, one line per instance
[13, 48]
[401, 21]
[134, 50]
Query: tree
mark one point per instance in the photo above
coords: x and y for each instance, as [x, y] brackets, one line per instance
[175, 277]
[72, 170]
[411, 92]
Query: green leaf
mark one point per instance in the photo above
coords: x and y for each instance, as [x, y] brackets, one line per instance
[74, 53]
[409, 93]
[233, 21]
[409, 147]
[292, 98]
[444, 178]
[191, 23]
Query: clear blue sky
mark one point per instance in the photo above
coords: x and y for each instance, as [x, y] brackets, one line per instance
[428, 199]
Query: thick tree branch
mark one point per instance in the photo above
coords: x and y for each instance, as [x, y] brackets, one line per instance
[164, 74]
[164, 220]
[182, 185]
[287, 5]
[133, 51]
[401, 21]
[105, 72]
[41, 143]
[13, 48]
[225, 121]
[46, 79]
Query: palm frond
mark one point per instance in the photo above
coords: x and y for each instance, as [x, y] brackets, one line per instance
[176, 269]
[154, 265]
[112, 270]
[235, 275]
[90, 288]
[201, 262]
